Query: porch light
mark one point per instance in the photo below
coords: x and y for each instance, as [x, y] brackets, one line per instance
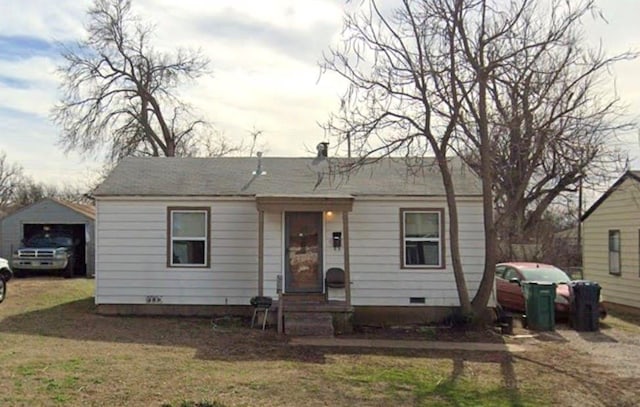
[329, 214]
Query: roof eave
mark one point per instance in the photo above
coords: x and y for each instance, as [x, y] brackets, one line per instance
[608, 192]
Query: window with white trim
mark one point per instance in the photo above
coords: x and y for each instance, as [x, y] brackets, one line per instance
[188, 237]
[422, 238]
[614, 252]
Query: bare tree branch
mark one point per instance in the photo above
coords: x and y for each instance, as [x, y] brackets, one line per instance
[117, 89]
[509, 86]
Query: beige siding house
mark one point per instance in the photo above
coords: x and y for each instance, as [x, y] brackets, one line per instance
[611, 242]
[205, 235]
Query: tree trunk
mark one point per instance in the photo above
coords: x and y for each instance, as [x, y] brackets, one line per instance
[454, 239]
[485, 289]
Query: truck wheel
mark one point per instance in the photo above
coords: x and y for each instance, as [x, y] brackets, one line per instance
[68, 272]
[3, 289]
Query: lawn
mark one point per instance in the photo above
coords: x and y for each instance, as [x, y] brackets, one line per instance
[57, 351]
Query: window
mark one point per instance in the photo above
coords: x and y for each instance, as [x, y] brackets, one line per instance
[614, 252]
[510, 273]
[422, 245]
[188, 237]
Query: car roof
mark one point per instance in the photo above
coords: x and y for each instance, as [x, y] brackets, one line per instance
[526, 265]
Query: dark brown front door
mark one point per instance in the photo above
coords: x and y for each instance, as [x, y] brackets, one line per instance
[303, 252]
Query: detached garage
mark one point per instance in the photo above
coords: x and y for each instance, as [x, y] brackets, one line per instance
[48, 215]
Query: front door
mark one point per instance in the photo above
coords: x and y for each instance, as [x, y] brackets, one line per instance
[303, 252]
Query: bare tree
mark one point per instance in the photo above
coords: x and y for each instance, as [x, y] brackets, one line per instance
[397, 64]
[30, 191]
[120, 92]
[11, 176]
[496, 43]
[437, 77]
[551, 124]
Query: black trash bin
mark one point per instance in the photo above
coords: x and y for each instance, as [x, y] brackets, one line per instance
[584, 311]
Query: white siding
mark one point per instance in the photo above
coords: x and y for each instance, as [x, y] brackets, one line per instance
[620, 211]
[376, 273]
[333, 257]
[132, 255]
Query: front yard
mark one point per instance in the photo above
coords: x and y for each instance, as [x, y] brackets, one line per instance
[56, 351]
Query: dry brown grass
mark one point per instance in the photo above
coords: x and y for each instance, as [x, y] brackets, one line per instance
[57, 351]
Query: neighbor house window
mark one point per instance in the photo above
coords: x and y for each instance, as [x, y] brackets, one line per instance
[614, 252]
[188, 237]
[422, 238]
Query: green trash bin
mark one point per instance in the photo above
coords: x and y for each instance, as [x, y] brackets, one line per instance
[539, 298]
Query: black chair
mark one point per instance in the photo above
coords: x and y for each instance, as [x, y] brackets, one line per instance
[334, 278]
[263, 304]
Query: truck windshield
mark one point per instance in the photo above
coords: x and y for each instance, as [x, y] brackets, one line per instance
[51, 241]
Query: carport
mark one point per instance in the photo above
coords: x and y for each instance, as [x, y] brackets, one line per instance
[52, 215]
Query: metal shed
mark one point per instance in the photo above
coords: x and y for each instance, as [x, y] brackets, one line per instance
[49, 213]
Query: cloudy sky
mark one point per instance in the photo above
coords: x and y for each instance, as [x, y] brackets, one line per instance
[264, 57]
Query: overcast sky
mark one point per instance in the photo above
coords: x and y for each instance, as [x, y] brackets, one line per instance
[264, 57]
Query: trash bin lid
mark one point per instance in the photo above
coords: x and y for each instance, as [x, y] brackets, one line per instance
[546, 283]
[582, 282]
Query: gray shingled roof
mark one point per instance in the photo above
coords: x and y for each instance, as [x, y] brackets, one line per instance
[233, 176]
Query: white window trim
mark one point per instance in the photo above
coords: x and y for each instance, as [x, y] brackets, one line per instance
[204, 239]
[613, 253]
[406, 239]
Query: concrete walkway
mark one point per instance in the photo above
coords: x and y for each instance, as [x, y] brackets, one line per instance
[406, 344]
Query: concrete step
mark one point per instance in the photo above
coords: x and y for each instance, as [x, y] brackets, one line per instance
[308, 324]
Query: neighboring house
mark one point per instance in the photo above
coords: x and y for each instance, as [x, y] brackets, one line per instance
[204, 235]
[611, 242]
[51, 214]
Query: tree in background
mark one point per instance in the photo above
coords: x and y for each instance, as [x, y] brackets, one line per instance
[437, 77]
[18, 190]
[29, 192]
[120, 92]
[11, 176]
[553, 119]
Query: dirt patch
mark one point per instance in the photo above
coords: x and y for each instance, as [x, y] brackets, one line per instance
[426, 332]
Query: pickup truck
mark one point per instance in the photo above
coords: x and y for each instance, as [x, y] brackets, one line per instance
[45, 252]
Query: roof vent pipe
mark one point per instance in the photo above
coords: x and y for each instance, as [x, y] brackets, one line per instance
[259, 170]
[323, 149]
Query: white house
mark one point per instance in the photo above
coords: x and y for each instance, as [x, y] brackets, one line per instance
[204, 235]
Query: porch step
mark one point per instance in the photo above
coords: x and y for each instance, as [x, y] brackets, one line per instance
[303, 297]
[308, 324]
[316, 307]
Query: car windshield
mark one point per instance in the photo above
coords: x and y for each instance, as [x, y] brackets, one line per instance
[44, 241]
[552, 274]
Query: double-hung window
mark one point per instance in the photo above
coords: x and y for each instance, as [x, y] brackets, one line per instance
[188, 240]
[614, 252]
[422, 238]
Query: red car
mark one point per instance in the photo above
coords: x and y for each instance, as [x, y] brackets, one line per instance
[509, 277]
